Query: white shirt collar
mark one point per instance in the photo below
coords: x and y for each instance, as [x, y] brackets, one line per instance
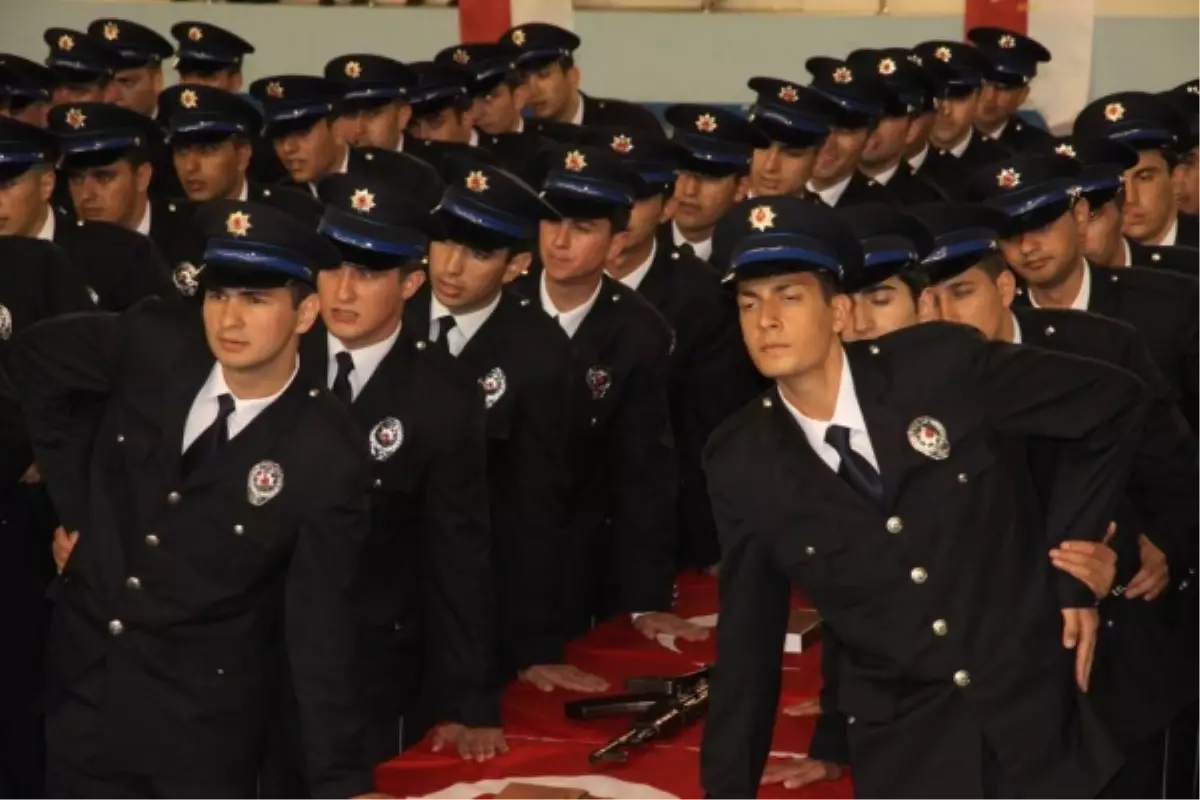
[244, 194]
[577, 119]
[916, 161]
[474, 140]
[634, 279]
[1080, 303]
[1171, 235]
[847, 413]
[834, 193]
[46, 234]
[400, 144]
[962, 146]
[703, 250]
[1016, 337]
[885, 176]
[143, 227]
[465, 325]
[520, 124]
[204, 408]
[569, 320]
[366, 360]
[998, 132]
[1128, 253]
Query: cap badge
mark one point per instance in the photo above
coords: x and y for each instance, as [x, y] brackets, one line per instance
[789, 94]
[353, 69]
[184, 277]
[5, 323]
[599, 379]
[575, 161]
[1008, 178]
[264, 482]
[66, 42]
[477, 181]
[362, 200]
[843, 75]
[928, 437]
[1065, 150]
[112, 31]
[887, 67]
[518, 37]
[386, 438]
[762, 217]
[943, 54]
[706, 123]
[493, 385]
[76, 118]
[275, 89]
[916, 59]
[462, 56]
[188, 98]
[622, 143]
[195, 33]
[1075, 192]
[238, 223]
[1114, 112]
[1008, 42]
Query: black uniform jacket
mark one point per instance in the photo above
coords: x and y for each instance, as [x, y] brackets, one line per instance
[185, 595]
[711, 377]
[121, 266]
[1188, 234]
[909, 189]
[426, 574]
[604, 112]
[519, 363]
[1172, 258]
[927, 593]
[949, 172]
[864, 189]
[1018, 135]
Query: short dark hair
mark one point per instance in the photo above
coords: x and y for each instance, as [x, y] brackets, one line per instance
[828, 283]
[993, 265]
[620, 219]
[299, 292]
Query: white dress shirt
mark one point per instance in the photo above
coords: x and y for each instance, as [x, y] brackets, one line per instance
[203, 412]
[885, 176]
[465, 325]
[474, 140]
[703, 250]
[400, 144]
[634, 279]
[834, 193]
[143, 227]
[1080, 303]
[244, 192]
[577, 117]
[998, 132]
[962, 146]
[569, 320]
[916, 161]
[847, 413]
[46, 234]
[366, 360]
[1016, 337]
[1128, 262]
[1171, 235]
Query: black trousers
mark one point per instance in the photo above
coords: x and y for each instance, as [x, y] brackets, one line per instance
[67, 780]
[1182, 754]
[1142, 773]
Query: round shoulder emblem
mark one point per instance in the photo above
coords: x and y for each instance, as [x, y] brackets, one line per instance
[385, 438]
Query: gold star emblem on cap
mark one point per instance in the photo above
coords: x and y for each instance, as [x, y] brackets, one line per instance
[362, 200]
[789, 93]
[275, 89]
[112, 31]
[622, 143]
[66, 42]
[518, 37]
[1008, 42]
[477, 182]
[843, 75]
[238, 223]
[188, 98]
[943, 54]
[462, 56]
[195, 33]
[1065, 150]
[76, 118]
[706, 123]
[575, 161]
[1114, 112]
[762, 217]
[353, 69]
[887, 66]
[1008, 178]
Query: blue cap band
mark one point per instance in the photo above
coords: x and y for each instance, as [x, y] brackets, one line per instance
[375, 93]
[431, 94]
[852, 104]
[458, 204]
[542, 53]
[75, 144]
[880, 257]
[583, 188]
[760, 248]
[78, 66]
[207, 55]
[800, 122]
[958, 249]
[409, 251]
[208, 126]
[1026, 204]
[299, 112]
[21, 156]
[256, 256]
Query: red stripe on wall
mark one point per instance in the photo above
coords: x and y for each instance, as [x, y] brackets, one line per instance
[1010, 14]
[483, 20]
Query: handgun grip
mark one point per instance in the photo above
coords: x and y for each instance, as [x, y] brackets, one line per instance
[623, 705]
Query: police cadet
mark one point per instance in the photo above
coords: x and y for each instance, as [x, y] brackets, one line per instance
[885, 157]
[374, 110]
[622, 527]
[138, 78]
[546, 56]
[796, 119]
[498, 89]
[862, 102]
[82, 65]
[441, 103]
[710, 374]
[301, 113]
[855, 479]
[233, 552]
[210, 55]
[25, 89]
[1138, 683]
[716, 148]
[1161, 135]
[119, 265]
[520, 362]
[1186, 99]
[1014, 60]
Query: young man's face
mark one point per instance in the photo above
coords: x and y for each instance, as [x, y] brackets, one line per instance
[212, 170]
[465, 279]
[500, 110]
[781, 170]
[80, 93]
[997, 104]
[701, 200]
[1187, 183]
[550, 90]
[378, 126]
[886, 144]
[1046, 257]
[35, 113]
[447, 125]
[226, 79]
[647, 215]
[788, 324]
[1102, 242]
[309, 154]
[362, 307]
[955, 116]
[918, 133]
[839, 156]
[576, 249]
[1149, 198]
[23, 202]
[974, 298]
[113, 193]
[880, 309]
[137, 89]
[255, 329]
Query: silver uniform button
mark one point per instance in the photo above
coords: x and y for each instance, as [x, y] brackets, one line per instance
[133, 582]
[675, 255]
[524, 302]
[116, 627]
[238, 530]
[963, 477]
[918, 575]
[1114, 278]
[1050, 330]
[120, 438]
[152, 540]
[314, 392]
[940, 628]
[1155, 257]
[850, 720]
[378, 483]
[895, 525]
[616, 298]
[873, 349]
[962, 679]
[420, 345]
[810, 550]
[174, 497]
[1108, 623]
[766, 402]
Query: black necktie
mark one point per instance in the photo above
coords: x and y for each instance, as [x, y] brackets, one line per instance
[341, 381]
[211, 439]
[687, 250]
[445, 325]
[854, 469]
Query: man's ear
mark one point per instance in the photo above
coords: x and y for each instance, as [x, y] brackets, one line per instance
[929, 307]
[520, 96]
[517, 266]
[743, 189]
[244, 152]
[235, 82]
[142, 177]
[1082, 213]
[156, 77]
[403, 115]
[412, 283]
[573, 77]
[843, 309]
[668, 210]
[1006, 283]
[1022, 95]
[46, 183]
[310, 309]
[617, 246]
